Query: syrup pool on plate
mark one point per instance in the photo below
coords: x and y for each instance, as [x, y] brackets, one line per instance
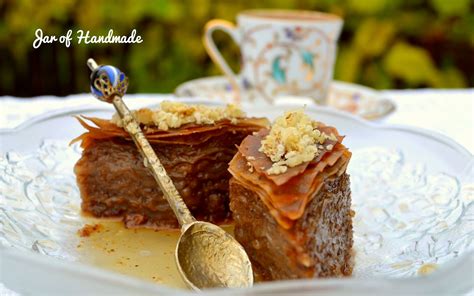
[144, 253]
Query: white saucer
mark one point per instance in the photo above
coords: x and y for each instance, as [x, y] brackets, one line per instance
[356, 99]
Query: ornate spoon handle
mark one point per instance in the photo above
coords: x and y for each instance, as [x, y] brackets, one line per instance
[109, 84]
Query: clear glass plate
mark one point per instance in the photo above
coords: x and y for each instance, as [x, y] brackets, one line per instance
[412, 193]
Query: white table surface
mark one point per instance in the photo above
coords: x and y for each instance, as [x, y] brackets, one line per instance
[450, 112]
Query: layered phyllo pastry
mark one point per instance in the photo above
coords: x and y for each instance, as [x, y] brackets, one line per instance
[194, 143]
[291, 201]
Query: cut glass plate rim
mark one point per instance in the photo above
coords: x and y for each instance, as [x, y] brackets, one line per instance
[437, 281]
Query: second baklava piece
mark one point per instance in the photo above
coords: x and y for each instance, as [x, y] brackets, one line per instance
[291, 201]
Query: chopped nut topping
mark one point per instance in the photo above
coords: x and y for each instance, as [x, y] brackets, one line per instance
[329, 147]
[277, 169]
[175, 114]
[250, 167]
[293, 139]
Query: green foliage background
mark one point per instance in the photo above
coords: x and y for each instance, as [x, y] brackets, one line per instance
[384, 44]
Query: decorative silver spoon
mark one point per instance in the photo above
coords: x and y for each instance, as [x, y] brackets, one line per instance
[206, 255]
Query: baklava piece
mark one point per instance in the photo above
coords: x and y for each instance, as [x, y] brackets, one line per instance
[194, 143]
[291, 202]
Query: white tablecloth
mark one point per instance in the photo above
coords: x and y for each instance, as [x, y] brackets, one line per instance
[450, 112]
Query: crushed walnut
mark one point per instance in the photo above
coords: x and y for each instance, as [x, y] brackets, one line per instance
[293, 140]
[175, 114]
[250, 167]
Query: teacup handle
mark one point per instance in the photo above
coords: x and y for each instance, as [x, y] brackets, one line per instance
[215, 54]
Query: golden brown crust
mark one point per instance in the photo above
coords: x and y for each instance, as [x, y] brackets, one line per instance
[191, 134]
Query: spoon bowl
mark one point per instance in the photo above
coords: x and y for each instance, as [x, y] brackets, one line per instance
[207, 256]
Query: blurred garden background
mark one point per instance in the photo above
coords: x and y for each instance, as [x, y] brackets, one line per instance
[384, 44]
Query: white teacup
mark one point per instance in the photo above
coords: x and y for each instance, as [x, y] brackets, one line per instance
[284, 53]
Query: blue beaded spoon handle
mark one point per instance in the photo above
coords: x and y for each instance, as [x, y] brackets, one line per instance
[107, 81]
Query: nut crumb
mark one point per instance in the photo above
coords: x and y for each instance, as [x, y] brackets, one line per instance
[88, 229]
[250, 167]
[277, 169]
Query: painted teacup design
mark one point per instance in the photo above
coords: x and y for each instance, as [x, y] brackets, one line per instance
[284, 53]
